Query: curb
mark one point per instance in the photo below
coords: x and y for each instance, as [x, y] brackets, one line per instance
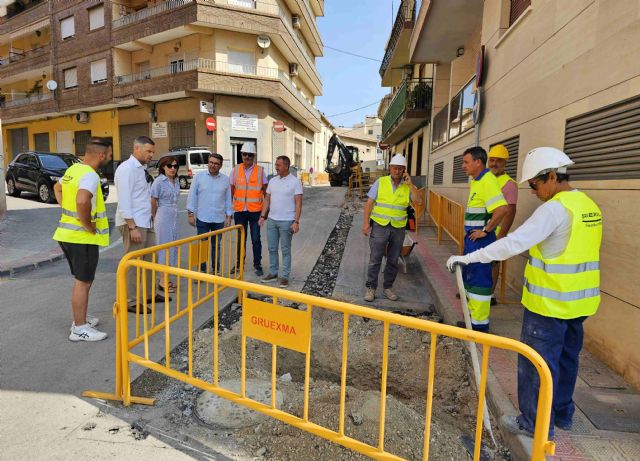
[22, 267]
[497, 399]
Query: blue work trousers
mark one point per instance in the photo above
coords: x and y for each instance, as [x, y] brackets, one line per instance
[279, 234]
[204, 227]
[250, 219]
[559, 343]
[478, 282]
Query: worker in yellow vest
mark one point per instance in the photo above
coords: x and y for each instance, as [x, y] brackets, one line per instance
[485, 209]
[248, 187]
[498, 156]
[384, 221]
[83, 227]
[561, 282]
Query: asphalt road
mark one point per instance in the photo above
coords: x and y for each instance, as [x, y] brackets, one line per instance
[36, 353]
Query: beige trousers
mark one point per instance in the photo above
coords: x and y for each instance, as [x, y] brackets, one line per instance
[148, 240]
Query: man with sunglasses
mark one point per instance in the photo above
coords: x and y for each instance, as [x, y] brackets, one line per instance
[561, 283]
[209, 204]
[248, 188]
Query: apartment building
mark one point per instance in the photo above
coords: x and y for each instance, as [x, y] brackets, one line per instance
[405, 111]
[551, 73]
[74, 69]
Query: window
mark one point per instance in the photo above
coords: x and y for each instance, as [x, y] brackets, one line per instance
[517, 8]
[297, 152]
[99, 71]
[176, 66]
[440, 127]
[438, 173]
[182, 134]
[80, 139]
[31, 161]
[196, 158]
[41, 141]
[459, 176]
[371, 132]
[419, 156]
[241, 62]
[461, 116]
[67, 28]
[96, 17]
[70, 77]
[410, 159]
[143, 70]
[604, 142]
[243, 3]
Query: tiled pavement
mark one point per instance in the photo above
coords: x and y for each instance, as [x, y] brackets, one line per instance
[603, 398]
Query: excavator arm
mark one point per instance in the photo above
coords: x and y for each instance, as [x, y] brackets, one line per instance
[340, 171]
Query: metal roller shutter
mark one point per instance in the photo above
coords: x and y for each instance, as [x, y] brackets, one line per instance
[605, 144]
[41, 141]
[128, 133]
[458, 176]
[182, 134]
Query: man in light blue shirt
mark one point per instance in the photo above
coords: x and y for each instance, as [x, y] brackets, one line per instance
[209, 204]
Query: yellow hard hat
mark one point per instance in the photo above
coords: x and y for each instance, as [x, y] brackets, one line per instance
[499, 151]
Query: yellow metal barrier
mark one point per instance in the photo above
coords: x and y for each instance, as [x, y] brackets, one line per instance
[294, 332]
[452, 221]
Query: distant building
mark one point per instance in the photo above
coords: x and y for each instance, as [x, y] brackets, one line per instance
[367, 145]
[71, 70]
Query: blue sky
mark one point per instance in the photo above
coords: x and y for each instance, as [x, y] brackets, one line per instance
[361, 27]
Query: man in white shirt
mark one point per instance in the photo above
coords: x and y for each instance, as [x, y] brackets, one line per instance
[133, 215]
[283, 206]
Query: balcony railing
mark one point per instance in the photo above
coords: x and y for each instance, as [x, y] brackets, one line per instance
[15, 56]
[27, 100]
[413, 94]
[406, 13]
[202, 64]
[145, 13]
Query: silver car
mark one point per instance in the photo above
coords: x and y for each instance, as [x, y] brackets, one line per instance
[190, 161]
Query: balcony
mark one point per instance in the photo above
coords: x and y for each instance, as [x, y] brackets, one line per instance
[145, 28]
[409, 109]
[209, 76]
[396, 54]
[20, 14]
[17, 63]
[18, 109]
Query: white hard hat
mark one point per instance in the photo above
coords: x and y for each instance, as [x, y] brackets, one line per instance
[399, 160]
[248, 148]
[542, 160]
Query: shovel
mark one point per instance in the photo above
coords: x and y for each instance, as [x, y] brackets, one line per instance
[472, 348]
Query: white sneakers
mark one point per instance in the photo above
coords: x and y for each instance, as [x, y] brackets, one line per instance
[86, 333]
[92, 321]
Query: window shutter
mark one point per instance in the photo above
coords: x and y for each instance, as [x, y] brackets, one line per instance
[605, 143]
[517, 8]
[96, 17]
[438, 173]
[67, 27]
[459, 176]
[99, 71]
[70, 78]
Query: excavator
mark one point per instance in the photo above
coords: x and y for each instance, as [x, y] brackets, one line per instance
[348, 157]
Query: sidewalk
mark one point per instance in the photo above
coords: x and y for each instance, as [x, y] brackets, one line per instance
[607, 420]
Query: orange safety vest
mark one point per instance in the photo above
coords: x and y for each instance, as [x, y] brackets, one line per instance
[248, 194]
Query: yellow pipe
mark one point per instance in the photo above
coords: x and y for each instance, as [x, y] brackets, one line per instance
[483, 387]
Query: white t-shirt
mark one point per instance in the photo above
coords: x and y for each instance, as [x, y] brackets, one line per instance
[282, 206]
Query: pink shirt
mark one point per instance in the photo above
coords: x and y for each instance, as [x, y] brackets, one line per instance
[510, 192]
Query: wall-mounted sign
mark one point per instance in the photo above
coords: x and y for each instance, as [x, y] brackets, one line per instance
[278, 126]
[244, 122]
[159, 130]
[383, 146]
[206, 107]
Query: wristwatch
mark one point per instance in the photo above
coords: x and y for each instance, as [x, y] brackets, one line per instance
[295, 221]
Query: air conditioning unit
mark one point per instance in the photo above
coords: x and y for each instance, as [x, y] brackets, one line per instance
[82, 117]
[293, 69]
[295, 21]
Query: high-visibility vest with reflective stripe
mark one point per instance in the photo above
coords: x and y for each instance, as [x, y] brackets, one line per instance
[70, 229]
[390, 206]
[484, 195]
[568, 286]
[248, 193]
[503, 179]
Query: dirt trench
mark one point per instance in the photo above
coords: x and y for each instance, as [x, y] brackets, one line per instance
[454, 401]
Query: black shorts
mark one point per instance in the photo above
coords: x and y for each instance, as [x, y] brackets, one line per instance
[82, 258]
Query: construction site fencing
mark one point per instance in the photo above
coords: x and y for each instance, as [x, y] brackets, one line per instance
[280, 326]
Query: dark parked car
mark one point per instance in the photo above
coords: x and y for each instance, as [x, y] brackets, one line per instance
[39, 171]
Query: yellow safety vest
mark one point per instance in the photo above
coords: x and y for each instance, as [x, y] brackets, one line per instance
[568, 286]
[485, 195]
[70, 229]
[503, 179]
[390, 206]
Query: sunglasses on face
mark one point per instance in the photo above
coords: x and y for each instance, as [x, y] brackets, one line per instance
[173, 166]
[534, 185]
[244, 154]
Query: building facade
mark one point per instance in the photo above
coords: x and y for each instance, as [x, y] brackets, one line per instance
[405, 111]
[561, 74]
[161, 69]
